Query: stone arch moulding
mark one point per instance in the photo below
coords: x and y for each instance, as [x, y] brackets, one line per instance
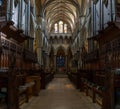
[61, 47]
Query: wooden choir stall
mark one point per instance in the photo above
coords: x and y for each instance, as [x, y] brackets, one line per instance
[99, 77]
[17, 85]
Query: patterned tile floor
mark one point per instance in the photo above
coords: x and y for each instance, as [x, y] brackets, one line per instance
[60, 94]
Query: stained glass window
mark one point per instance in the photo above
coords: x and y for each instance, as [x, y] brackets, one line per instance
[56, 28]
[65, 28]
[60, 61]
[60, 26]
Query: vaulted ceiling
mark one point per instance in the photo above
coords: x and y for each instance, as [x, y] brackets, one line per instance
[69, 11]
[52, 11]
[65, 10]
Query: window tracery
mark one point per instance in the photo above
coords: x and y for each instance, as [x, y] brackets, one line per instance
[65, 28]
[60, 27]
[56, 28]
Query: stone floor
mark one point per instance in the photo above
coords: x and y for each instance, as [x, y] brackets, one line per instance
[60, 75]
[60, 94]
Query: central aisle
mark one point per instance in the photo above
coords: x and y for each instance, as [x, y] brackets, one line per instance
[60, 94]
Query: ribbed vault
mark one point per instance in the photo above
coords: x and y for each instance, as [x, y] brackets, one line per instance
[65, 10]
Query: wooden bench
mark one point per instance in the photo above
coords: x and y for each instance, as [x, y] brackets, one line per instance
[22, 90]
[92, 85]
[45, 77]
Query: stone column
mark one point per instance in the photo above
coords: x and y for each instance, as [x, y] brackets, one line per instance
[31, 43]
[39, 46]
[55, 63]
[39, 55]
[38, 19]
[44, 59]
[27, 25]
[20, 14]
[8, 9]
[78, 58]
[47, 61]
[10, 4]
[66, 62]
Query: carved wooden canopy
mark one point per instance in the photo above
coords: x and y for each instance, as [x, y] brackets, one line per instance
[13, 32]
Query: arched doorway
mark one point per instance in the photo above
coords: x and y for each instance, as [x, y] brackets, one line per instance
[60, 60]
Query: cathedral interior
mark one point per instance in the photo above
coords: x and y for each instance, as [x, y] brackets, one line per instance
[59, 54]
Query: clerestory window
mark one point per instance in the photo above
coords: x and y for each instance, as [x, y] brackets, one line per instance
[60, 27]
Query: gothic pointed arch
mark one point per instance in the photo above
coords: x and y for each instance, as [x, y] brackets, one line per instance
[65, 10]
[60, 51]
